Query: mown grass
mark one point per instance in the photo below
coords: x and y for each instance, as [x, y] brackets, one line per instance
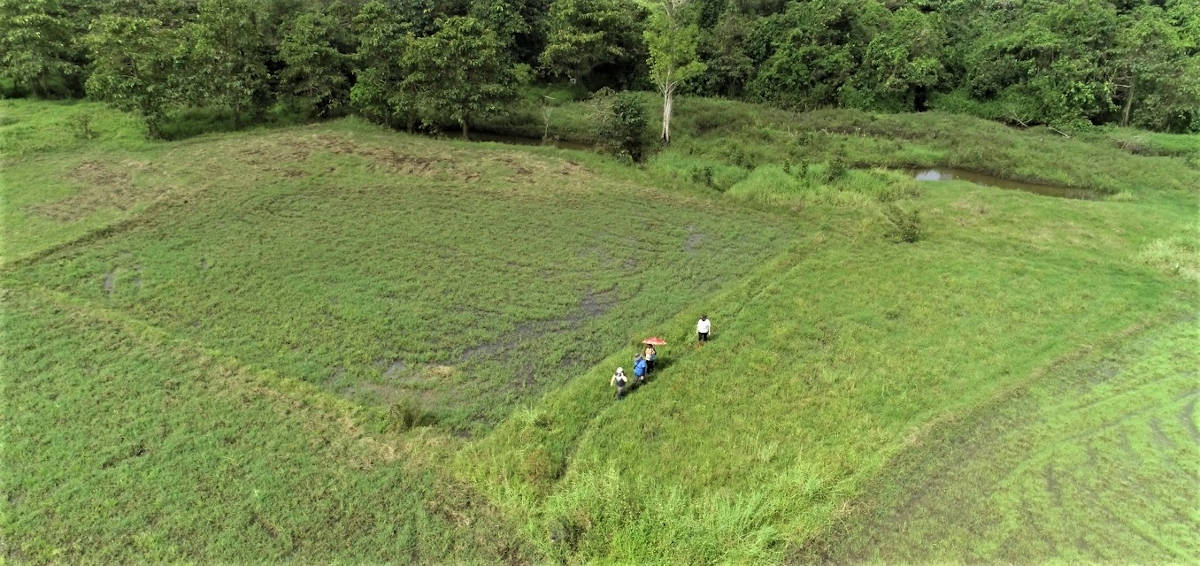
[363, 346]
[122, 443]
[1094, 460]
[338, 256]
[828, 361]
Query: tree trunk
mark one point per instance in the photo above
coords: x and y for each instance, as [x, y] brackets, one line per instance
[464, 128]
[1128, 105]
[668, 102]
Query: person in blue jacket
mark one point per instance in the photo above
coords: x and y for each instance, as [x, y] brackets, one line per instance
[639, 368]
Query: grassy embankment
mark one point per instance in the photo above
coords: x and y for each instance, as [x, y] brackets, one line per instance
[300, 324]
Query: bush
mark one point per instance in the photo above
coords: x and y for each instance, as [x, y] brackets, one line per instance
[622, 124]
[81, 126]
[837, 168]
[905, 225]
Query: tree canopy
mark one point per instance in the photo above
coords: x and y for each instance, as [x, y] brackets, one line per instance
[1066, 63]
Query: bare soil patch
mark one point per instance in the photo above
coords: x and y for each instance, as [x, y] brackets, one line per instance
[275, 157]
[101, 185]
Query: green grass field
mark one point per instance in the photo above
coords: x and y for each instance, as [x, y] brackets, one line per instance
[338, 343]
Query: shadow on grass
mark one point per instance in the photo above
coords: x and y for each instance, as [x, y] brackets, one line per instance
[193, 122]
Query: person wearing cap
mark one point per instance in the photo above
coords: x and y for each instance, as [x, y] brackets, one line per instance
[639, 368]
[703, 327]
[619, 380]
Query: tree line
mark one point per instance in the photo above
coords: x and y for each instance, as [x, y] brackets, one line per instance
[433, 63]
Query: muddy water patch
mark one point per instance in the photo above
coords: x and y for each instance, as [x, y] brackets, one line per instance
[695, 239]
[593, 304]
[952, 174]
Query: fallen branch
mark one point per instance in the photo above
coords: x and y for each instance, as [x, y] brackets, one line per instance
[1053, 129]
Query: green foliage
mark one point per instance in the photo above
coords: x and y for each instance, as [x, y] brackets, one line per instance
[39, 48]
[82, 125]
[903, 61]
[723, 51]
[521, 25]
[904, 225]
[133, 67]
[1046, 62]
[224, 66]
[503, 17]
[459, 73]
[379, 92]
[1161, 82]
[622, 125]
[671, 36]
[584, 34]
[817, 47]
[317, 51]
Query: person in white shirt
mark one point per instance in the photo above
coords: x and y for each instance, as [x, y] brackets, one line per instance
[703, 327]
[619, 380]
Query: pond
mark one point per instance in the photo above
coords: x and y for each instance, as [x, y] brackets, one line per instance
[950, 174]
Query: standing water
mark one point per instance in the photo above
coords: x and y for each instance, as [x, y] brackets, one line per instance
[950, 174]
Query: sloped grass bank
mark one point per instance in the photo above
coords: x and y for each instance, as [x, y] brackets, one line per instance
[1096, 460]
[837, 355]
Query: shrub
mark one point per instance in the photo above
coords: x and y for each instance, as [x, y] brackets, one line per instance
[622, 124]
[81, 126]
[905, 225]
[837, 168]
[405, 414]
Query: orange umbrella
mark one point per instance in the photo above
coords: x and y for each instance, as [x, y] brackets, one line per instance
[654, 341]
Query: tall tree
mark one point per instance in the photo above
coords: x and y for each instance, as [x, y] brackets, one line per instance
[582, 34]
[459, 73]
[902, 61]
[316, 51]
[1044, 61]
[133, 65]
[380, 92]
[225, 63]
[1153, 72]
[671, 38]
[38, 47]
[816, 49]
[724, 50]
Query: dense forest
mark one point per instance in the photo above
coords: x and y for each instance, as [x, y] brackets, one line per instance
[439, 63]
